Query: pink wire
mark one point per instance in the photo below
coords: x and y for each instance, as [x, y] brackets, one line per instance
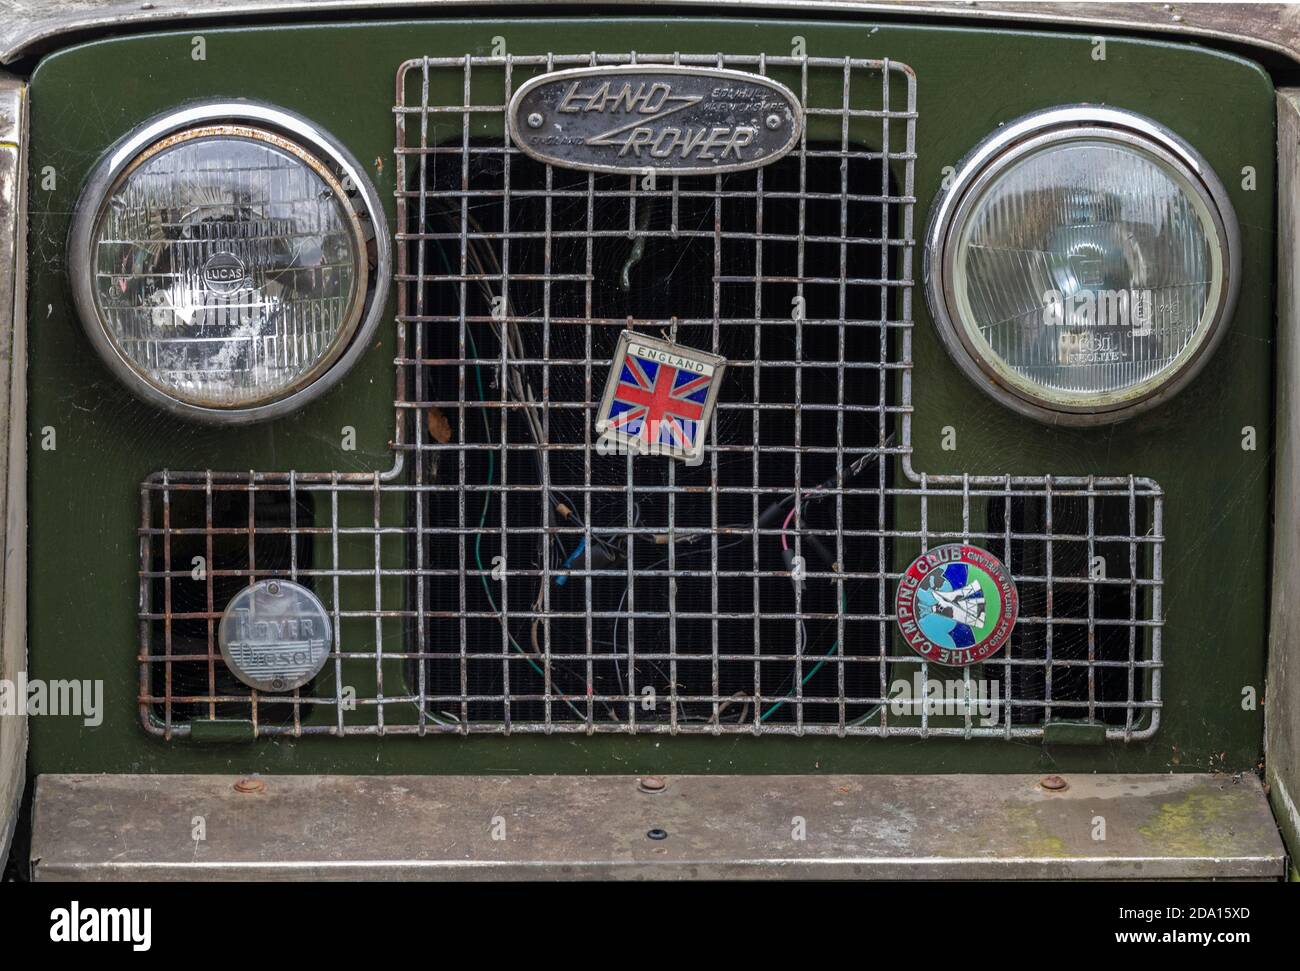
[785, 526]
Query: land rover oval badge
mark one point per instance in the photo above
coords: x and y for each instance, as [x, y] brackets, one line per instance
[672, 119]
[956, 604]
[275, 635]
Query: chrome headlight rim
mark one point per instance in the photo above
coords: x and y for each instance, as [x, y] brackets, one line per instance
[996, 155]
[306, 141]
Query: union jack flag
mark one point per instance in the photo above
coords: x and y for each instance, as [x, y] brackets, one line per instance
[658, 406]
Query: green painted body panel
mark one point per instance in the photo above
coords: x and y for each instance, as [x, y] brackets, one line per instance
[85, 492]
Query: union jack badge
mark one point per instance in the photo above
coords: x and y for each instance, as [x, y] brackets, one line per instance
[659, 397]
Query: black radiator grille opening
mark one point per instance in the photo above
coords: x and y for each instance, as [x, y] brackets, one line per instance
[717, 625]
[221, 540]
[1072, 658]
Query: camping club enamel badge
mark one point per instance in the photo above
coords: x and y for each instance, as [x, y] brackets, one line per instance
[659, 397]
[956, 604]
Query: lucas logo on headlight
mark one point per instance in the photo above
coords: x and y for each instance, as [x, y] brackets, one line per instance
[658, 399]
[956, 604]
[224, 273]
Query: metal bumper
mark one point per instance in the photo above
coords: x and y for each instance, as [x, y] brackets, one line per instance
[208, 827]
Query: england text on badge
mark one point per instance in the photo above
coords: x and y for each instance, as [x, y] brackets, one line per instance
[956, 604]
[659, 397]
[275, 635]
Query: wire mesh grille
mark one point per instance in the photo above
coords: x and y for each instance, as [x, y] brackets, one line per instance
[508, 574]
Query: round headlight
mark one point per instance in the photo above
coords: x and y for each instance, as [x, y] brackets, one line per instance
[1083, 264]
[229, 261]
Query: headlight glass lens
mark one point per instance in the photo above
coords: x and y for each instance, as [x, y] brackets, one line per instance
[1086, 272]
[228, 268]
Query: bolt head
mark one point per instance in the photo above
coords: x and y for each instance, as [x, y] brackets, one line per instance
[1054, 783]
[773, 122]
[651, 783]
[535, 120]
[250, 786]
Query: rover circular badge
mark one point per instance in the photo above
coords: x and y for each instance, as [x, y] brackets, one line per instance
[956, 604]
[275, 635]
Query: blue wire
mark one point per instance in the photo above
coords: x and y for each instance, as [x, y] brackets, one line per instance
[563, 578]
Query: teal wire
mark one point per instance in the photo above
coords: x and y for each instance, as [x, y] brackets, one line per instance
[844, 605]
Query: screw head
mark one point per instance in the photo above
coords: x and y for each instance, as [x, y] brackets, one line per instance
[651, 783]
[1054, 783]
[250, 786]
[773, 122]
[657, 834]
[535, 120]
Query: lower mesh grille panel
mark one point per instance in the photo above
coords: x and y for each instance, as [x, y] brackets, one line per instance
[510, 576]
